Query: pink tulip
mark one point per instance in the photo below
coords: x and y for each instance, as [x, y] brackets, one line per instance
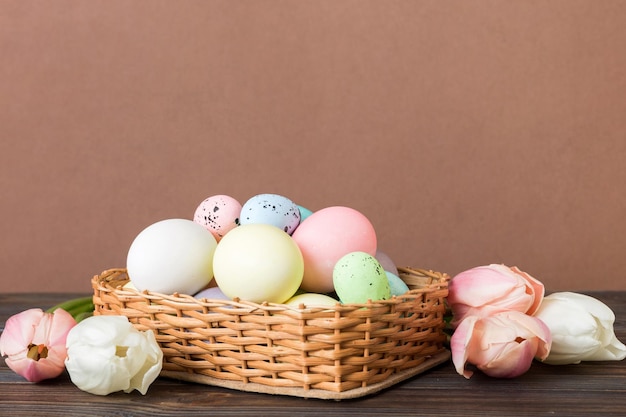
[484, 290]
[501, 345]
[35, 343]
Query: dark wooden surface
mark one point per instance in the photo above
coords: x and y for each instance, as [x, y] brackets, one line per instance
[588, 389]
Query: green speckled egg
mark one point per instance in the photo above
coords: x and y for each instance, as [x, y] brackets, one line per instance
[359, 277]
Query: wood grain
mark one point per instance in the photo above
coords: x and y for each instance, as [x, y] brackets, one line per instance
[587, 389]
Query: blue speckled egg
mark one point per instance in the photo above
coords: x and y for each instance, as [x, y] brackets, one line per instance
[272, 209]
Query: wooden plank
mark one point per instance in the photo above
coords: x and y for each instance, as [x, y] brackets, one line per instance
[574, 390]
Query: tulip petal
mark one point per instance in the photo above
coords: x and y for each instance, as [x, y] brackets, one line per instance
[486, 290]
[482, 285]
[613, 351]
[19, 330]
[513, 361]
[508, 327]
[60, 326]
[530, 327]
[566, 318]
[582, 329]
[588, 305]
[151, 367]
[577, 346]
[35, 343]
[538, 289]
[501, 345]
[459, 345]
[107, 354]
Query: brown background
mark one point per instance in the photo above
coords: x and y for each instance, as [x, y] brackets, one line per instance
[468, 132]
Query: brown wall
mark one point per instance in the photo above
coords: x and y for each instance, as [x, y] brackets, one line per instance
[468, 132]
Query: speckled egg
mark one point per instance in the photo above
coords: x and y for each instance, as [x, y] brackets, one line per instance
[327, 235]
[272, 209]
[219, 214]
[359, 277]
[397, 286]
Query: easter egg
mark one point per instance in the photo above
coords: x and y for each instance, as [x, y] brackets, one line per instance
[359, 277]
[213, 293]
[129, 286]
[304, 213]
[172, 255]
[272, 209]
[311, 300]
[219, 214]
[258, 262]
[326, 236]
[397, 286]
[387, 263]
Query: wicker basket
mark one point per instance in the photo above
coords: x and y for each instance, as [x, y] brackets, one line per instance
[339, 352]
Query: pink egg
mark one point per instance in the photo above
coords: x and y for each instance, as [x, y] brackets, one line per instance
[219, 214]
[327, 235]
[387, 263]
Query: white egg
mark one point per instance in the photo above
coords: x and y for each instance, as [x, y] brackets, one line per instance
[173, 255]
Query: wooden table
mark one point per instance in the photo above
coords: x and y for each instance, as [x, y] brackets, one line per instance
[588, 389]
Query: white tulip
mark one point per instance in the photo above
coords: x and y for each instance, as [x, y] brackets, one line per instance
[581, 328]
[106, 354]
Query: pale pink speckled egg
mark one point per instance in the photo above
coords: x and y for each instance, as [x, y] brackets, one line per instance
[387, 263]
[326, 236]
[219, 214]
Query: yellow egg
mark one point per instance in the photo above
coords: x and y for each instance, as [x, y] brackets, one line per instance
[258, 262]
[311, 300]
[129, 286]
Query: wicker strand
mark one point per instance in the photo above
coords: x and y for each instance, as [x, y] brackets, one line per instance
[330, 348]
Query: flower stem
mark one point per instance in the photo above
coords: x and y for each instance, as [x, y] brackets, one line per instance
[80, 308]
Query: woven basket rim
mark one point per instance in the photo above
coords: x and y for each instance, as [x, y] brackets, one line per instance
[340, 351]
[101, 281]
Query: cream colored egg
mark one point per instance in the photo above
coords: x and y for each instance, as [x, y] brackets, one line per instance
[258, 262]
[311, 300]
[129, 286]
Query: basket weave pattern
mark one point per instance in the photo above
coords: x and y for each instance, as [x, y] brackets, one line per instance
[333, 349]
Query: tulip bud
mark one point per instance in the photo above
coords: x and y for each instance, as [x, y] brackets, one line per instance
[35, 343]
[581, 327]
[484, 290]
[502, 345]
[106, 354]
